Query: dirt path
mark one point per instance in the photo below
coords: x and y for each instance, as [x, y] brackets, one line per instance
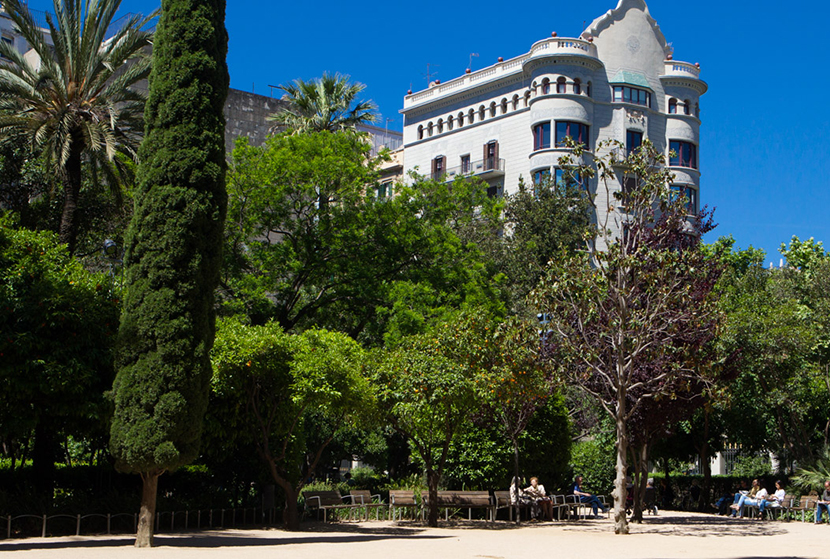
[670, 535]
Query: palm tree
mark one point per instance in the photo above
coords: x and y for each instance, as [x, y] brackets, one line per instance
[324, 104]
[74, 100]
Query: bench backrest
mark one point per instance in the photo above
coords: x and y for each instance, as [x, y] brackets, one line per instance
[361, 496]
[502, 498]
[462, 498]
[808, 502]
[316, 499]
[402, 497]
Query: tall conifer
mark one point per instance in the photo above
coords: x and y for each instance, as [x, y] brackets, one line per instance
[173, 252]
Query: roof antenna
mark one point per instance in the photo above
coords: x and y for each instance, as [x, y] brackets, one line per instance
[472, 54]
[429, 75]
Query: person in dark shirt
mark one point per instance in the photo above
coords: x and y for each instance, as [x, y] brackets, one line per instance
[585, 497]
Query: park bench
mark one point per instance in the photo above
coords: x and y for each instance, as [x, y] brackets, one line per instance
[402, 499]
[364, 498]
[806, 504]
[463, 500]
[327, 500]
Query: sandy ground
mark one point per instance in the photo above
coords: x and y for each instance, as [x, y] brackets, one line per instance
[669, 535]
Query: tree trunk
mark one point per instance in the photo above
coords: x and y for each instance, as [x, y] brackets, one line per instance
[71, 191]
[706, 494]
[147, 515]
[291, 517]
[515, 482]
[640, 481]
[432, 481]
[620, 491]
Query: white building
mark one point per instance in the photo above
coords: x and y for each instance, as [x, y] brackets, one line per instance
[618, 80]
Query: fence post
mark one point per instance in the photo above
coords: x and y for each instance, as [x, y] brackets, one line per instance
[135, 523]
[210, 519]
[222, 519]
[43, 532]
[109, 520]
[9, 527]
[186, 515]
[233, 517]
[78, 526]
[173, 521]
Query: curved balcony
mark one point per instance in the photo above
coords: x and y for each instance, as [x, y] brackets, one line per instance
[683, 74]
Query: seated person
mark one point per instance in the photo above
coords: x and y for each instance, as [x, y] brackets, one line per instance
[754, 497]
[585, 497]
[539, 502]
[823, 504]
[773, 501]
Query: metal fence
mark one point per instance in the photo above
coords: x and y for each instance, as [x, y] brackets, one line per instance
[64, 524]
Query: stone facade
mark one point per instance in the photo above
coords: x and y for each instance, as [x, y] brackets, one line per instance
[618, 80]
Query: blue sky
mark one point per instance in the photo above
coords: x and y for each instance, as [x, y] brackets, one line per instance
[766, 117]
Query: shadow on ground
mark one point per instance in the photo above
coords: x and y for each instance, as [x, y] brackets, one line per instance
[310, 535]
[700, 526]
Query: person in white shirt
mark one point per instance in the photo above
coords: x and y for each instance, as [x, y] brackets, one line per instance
[773, 501]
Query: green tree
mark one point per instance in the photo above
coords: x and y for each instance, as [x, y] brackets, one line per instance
[77, 102]
[629, 316]
[306, 245]
[57, 326]
[540, 223]
[267, 383]
[427, 391]
[174, 252]
[325, 104]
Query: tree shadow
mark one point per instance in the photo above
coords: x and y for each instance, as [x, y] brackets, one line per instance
[706, 525]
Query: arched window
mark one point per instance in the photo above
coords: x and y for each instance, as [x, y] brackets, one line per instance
[492, 108]
[515, 102]
[461, 119]
[545, 86]
[504, 106]
[561, 84]
[527, 98]
[697, 110]
[687, 107]
[420, 131]
[449, 122]
[429, 129]
[481, 112]
[440, 125]
[672, 106]
[471, 116]
[589, 89]
[577, 87]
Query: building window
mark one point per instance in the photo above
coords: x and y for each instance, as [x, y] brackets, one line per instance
[577, 87]
[384, 190]
[420, 131]
[471, 116]
[687, 107]
[429, 129]
[577, 131]
[634, 95]
[493, 109]
[541, 136]
[560, 85]
[504, 106]
[440, 125]
[515, 102]
[527, 99]
[633, 140]
[450, 122]
[545, 86]
[540, 177]
[491, 156]
[690, 194]
[682, 154]
[466, 169]
[439, 167]
[588, 92]
[672, 106]
[697, 110]
[566, 179]
[461, 119]
[481, 112]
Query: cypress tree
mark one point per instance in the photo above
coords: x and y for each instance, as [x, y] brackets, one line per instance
[173, 252]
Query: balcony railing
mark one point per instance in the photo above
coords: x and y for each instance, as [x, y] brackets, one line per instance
[483, 167]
